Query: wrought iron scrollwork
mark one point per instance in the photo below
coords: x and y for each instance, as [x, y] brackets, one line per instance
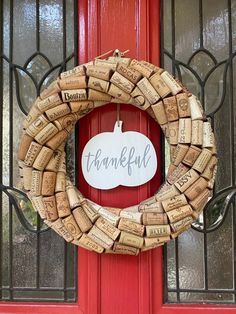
[20, 202]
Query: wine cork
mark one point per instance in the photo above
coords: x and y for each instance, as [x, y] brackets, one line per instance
[118, 93]
[49, 182]
[114, 210]
[117, 59]
[97, 95]
[212, 180]
[112, 218]
[65, 121]
[140, 100]
[99, 72]
[43, 158]
[148, 90]
[209, 170]
[174, 202]
[98, 103]
[27, 177]
[192, 155]
[172, 149]
[208, 136]
[197, 132]
[60, 182]
[171, 109]
[173, 132]
[73, 95]
[136, 217]
[98, 84]
[62, 163]
[133, 209]
[153, 242]
[131, 74]
[122, 82]
[157, 231]
[32, 153]
[131, 227]
[60, 228]
[179, 154]
[82, 219]
[195, 109]
[140, 67]
[93, 205]
[202, 160]
[105, 63]
[151, 66]
[89, 244]
[36, 182]
[73, 82]
[151, 208]
[100, 237]
[52, 89]
[154, 219]
[72, 226]
[90, 212]
[54, 162]
[169, 192]
[57, 140]
[82, 107]
[171, 83]
[186, 180]
[170, 170]
[72, 196]
[196, 188]
[174, 235]
[50, 207]
[107, 228]
[131, 239]
[159, 84]
[25, 143]
[200, 201]
[183, 105]
[46, 133]
[63, 205]
[120, 248]
[32, 115]
[77, 71]
[49, 102]
[181, 223]
[37, 202]
[166, 131]
[37, 125]
[148, 201]
[57, 112]
[179, 213]
[185, 130]
[159, 112]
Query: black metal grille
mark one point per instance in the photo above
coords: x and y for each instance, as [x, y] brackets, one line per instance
[219, 218]
[50, 269]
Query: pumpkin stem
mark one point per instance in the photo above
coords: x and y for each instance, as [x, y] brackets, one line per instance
[118, 126]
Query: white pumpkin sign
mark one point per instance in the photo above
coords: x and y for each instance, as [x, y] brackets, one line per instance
[115, 158]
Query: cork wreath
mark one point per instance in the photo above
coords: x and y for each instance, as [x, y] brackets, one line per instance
[156, 220]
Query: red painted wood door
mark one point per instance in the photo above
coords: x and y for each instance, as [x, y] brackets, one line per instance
[119, 284]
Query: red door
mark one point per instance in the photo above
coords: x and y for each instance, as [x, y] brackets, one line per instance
[112, 284]
[119, 284]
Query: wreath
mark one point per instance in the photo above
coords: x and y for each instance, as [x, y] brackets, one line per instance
[156, 220]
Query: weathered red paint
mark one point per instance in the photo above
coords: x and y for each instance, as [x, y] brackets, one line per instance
[118, 284]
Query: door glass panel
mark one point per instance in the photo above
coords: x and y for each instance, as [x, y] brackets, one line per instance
[38, 41]
[198, 46]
